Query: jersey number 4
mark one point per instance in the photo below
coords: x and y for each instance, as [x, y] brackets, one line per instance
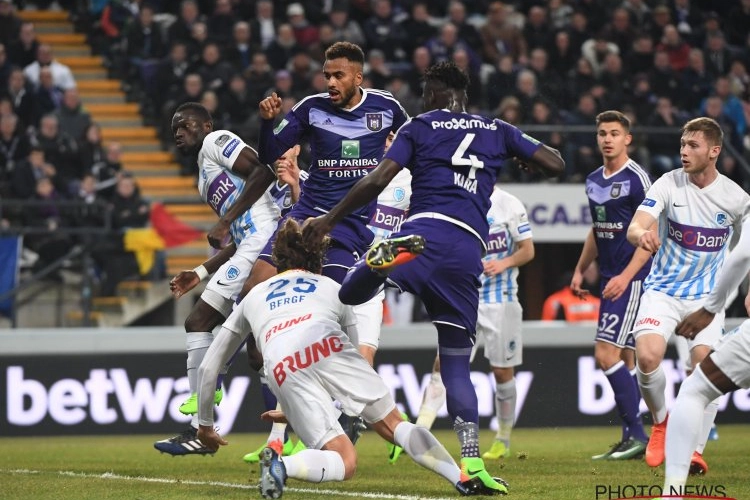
[459, 159]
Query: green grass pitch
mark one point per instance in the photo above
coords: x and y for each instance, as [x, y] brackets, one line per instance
[545, 464]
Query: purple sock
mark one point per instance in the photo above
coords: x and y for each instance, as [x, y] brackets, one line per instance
[360, 285]
[638, 431]
[455, 352]
[626, 399]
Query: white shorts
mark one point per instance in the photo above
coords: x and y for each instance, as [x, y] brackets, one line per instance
[732, 355]
[660, 313]
[226, 284]
[369, 320]
[306, 394]
[500, 324]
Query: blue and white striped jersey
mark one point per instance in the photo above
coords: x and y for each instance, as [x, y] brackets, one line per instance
[695, 226]
[509, 224]
[282, 195]
[392, 207]
[220, 187]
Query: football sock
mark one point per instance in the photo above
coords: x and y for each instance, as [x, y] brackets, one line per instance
[505, 409]
[454, 349]
[426, 450]
[652, 389]
[626, 399]
[432, 401]
[315, 466]
[197, 345]
[709, 415]
[278, 430]
[468, 436]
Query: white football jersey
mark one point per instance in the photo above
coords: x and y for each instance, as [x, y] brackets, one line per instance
[288, 302]
[695, 228]
[393, 204]
[508, 224]
[220, 187]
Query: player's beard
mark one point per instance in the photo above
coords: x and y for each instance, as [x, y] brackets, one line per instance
[346, 97]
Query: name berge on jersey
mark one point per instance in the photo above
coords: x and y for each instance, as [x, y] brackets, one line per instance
[700, 239]
[607, 230]
[463, 124]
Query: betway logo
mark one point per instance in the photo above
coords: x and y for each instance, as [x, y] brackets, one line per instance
[108, 396]
[700, 239]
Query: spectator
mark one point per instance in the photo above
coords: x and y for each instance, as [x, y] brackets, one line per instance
[639, 11]
[418, 27]
[595, 51]
[326, 38]
[615, 81]
[214, 72]
[302, 68]
[641, 58]
[22, 51]
[377, 69]
[596, 14]
[48, 97]
[71, 116]
[443, 46]
[550, 84]
[526, 91]
[221, 22]
[240, 52]
[210, 101]
[198, 40]
[543, 115]
[5, 67]
[144, 45]
[731, 105]
[21, 98]
[582, 151]
[663, 79]
[91, 213]
[182, 28]
[687, 19]
[739, 80]
[662, 146]
[713, 108]
[466, 31]
[382, 31]
[500, 36]
[559, 14]
[643, 99]
[718, 56]
[561, 55]
[711, 26]
[283, 48]
[61, 74]
[305, 33]
[282, 84]
[579, 30]
[696, 83]
[192, 90]
[565, 305]
[107, 172]
[263, 26]
[28, 171]
[61, 150]
[421, 60]
[14, 147]
[10, 24]
[239, 105]
[536, 31]
[474, 89]
[655, 27]
[677, 49]
[500, 82]
[581, 80]
[90, 147]
[344, 28]
[171, 72]
[259, 77]
[401, 91]
[737, 23]
[620, 31]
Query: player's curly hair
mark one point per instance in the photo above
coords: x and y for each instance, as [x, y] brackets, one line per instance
[448, 74]
[346, 50]
[291, 251]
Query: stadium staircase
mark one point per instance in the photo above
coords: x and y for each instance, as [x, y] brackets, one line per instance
[157, 172]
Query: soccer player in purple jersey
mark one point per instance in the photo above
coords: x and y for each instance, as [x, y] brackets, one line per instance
[454, 158]
[615, 190]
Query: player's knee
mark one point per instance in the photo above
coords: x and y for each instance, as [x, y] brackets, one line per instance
[195, 322]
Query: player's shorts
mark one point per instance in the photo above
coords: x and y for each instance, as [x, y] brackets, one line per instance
[337, 261]
[617, 317]
[732, 355]
[226, 284]
[369, 320]
[500, 325]
[660, 313]
[306, 394]
[446, 275]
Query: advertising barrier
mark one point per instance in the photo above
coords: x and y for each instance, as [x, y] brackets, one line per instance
[120, 384]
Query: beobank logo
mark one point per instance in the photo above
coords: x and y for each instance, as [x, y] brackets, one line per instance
[699, 239]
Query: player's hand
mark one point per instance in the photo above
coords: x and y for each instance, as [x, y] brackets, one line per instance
[183, 283]
[218, 234]
[615, 287]
[649, 241]
[694, 323]
[575, 285]
[275, 416]
[494, 267]
[315, 228]
[210, 438]
[287, 170]
[270, 107]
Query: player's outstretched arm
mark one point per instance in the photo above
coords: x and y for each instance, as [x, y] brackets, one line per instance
[258, 177]
[547, 160]
[363, 192]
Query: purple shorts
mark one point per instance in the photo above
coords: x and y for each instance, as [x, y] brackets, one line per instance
[446, 275]
[616, 317]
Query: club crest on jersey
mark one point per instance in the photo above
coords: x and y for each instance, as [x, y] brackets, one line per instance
[615, 191]
[374, 121]
[399, 194]
[349, 149]
[721, 218]
[232, 273]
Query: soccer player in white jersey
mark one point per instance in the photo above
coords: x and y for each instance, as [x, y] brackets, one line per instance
[509, 247]
[722, 371]
[296, 322]
[229, 173]
[614, 192]
[698, 211]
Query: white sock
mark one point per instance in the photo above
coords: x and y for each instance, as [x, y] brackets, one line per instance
[709, 415]
[426, 450]
[277, 429]
[684, 428]
[315, 466]
[197, 345]
[433, 400]
[652, 387]
[505, 409]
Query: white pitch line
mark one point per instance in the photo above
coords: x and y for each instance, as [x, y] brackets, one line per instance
[164, 480]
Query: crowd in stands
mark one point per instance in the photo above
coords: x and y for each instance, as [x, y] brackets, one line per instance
[533, 63]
